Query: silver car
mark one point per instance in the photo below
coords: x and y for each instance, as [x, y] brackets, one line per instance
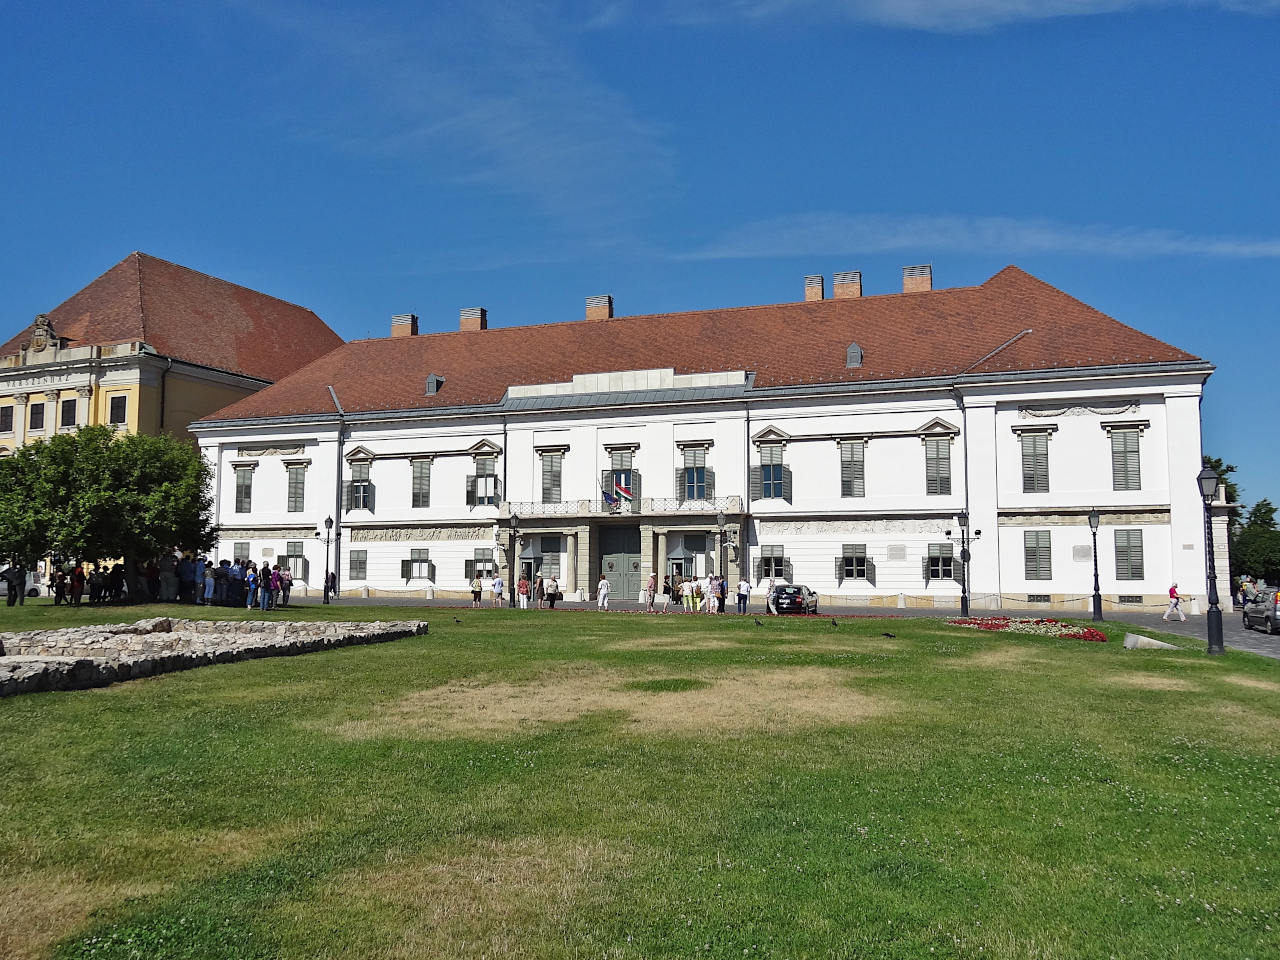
[1261, 612]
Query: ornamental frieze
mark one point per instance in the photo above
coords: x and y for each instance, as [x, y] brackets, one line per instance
[1113, 409]
[268, 533]
[833, 528]
[399, 534]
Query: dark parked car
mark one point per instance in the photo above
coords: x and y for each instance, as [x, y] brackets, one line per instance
[794, 598]
[1261, 612]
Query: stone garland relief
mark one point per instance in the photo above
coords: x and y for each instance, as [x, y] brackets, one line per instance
[1080, 410]
[840, 528]
[270, 451]
[398, 534]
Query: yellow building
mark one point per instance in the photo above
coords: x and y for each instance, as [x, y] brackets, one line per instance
[149, 347]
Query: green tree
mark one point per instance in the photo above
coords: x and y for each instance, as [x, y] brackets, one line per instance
[1262, 516]
[94, 495]
[1224, 470]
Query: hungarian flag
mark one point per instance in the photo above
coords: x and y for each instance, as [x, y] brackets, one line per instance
[621, 490]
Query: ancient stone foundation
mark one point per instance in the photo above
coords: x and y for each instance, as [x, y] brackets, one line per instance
[78, 657]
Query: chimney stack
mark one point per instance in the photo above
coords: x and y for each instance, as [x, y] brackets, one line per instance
[814, 288]
[846, 286]
[473, 318]
[600, 308]
[404, 325]
[917, 279]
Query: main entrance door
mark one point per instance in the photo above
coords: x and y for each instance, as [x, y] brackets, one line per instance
[620, 560]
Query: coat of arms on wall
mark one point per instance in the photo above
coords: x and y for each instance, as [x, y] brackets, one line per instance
[42, 335]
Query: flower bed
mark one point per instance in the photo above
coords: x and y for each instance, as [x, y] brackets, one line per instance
[1032, 625]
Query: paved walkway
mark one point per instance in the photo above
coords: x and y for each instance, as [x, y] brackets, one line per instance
[1234, 634]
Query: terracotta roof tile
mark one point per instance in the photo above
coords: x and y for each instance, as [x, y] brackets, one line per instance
[190, 316]
[937, 333]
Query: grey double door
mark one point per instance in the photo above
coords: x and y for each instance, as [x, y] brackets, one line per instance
[620, 560]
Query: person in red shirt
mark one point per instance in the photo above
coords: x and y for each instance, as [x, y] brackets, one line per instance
[1175, 600]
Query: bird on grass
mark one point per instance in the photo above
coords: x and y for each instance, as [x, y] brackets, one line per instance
[756, 621]
[889, 635]
[833, 622]
[456, 620]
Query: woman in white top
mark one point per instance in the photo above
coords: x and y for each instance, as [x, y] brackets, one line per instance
[602, 593]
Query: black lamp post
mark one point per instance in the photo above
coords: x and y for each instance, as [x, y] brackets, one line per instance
[511, 559]
[963, 520]
[328, 529]
[1094, 520]
[721, 520]
[1209, 481]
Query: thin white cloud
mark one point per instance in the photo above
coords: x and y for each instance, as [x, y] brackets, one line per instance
[490, 95]
[935, 15]
[821, 234]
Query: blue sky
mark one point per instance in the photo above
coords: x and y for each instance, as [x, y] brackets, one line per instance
[418, 157]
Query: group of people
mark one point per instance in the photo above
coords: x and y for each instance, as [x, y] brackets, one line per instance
[265, 586]
[542, 592]
[696, 595]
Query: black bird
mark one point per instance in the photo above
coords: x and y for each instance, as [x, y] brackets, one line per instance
[456, 620]
[757, 622]
[833, 622]
[889, 635]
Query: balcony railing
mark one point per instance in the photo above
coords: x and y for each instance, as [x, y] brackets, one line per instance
[645, 507]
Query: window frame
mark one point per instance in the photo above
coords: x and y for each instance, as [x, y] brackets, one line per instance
[36, 408]
[244, 488]
[295, 487]
[6, 418]
[551, 472]
[937, 466]
[853, 468]
[1126, 457]
[1129, 567]
[420, 483]
[123, 400]
[1035, 460]
[66, 404]
[360, 571]
[1037, 554]
[942, 561]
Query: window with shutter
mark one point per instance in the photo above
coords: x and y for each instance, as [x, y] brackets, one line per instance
[937, 466]
[417, 567]
[241, 550]
[853, 561]
[421, 491]
[294, 560]
[774, 477]
[484, 565]
[693, 485]
[1126, 470]
[551, 473]
[244, 489]
[551, 549]
[773, 563]
[484, 485]
[940, 564]
[1129, 554]
[358, 565]
[360, 495]
[852, 468]
[1036, 553]
[1035, 462]
[297, 487]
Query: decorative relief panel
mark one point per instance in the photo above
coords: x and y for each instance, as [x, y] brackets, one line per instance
[266, 533]
[399, 534]
[841, 528]
[1112, 409]
[269, 451]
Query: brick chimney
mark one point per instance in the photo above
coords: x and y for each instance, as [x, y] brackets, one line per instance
[404, 325]
[846, 286]
[917, 279]
[473, 318]
[814, 288]
[600, 308]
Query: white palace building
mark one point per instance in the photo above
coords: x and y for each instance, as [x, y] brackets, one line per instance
[838, 441]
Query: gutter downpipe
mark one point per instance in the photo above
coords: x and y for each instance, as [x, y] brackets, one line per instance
[964, 421]
[164, 382]
[337, 495]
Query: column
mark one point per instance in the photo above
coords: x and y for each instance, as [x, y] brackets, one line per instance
[662, 556]
[571, 562]
[51, 412]
[20, 418]
[83, 395]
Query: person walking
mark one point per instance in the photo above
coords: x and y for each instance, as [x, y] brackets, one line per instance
[286, 586]
[744, 593]
[666, 594]
[770, 601]
[686, 593]
[331, 585]
[1175, 604]
[650, 589]
[602, 593]
[553, 592]
[522, 592]
[477, 589]
[540, 591]
[722, 591]
[497, 587]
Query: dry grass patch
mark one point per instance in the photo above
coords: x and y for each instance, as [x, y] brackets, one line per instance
[1252, 682]
[1009, 657]
[1152, 681]
[672, 643]
[39, 909]
[744, 700]
[493, 899]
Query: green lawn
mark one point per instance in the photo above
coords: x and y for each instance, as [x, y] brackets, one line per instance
[529, 784]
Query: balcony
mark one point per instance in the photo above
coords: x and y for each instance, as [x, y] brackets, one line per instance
[647, 507]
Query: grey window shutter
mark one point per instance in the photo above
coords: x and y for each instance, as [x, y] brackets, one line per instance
[758, 569]
[846, 472]
[711, 483]
[469, 569]
[406, 570]
[497, 490]
[786, 484]
[871, 571]
[346, 496]
[840, 570]
[924, 569]
[1126, 473]
[681, 476]
[931, 467]
[471, 491]
[369, 492]
[944, 467]
[606, 481]
[957, 570]
[755, 484]
[788, 571]
[635, 486]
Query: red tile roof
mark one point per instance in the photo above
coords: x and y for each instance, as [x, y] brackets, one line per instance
[907, 335]
[190, 316]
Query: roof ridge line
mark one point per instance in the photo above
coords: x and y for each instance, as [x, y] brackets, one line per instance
[230, 283]
[142, 310]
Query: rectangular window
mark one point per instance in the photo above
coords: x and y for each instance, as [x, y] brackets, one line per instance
[937, 466]
[483, 565]
[771, 476]
[422, 483]
[244, 489]
[119, 408]
[37, 416]
[940, 564]
[1126, 472]
[294, 560]
[693, 479]
[297, 487]
[1129, 555]
[418, 566]
[241, 550]
[1035, 463]
[360, 490]
[853, 562]
[621, 482]
[552, 461]
[485, 482]
[772, 563]
[6, 419]
[358, 565]
[1036, 554]
[852, 469]
[67, 414]
[550, 557]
